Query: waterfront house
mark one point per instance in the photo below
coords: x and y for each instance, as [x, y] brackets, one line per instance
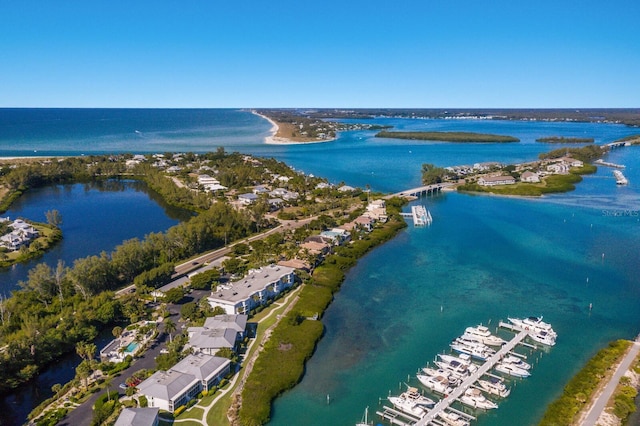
[296, 264]
[337, 236]
[147, 416]
[21, 235]
[530, 177]
[346, 188]
[316, 247]
[572, 162]
[496, 180]
[255, 289]
[365, 222]
[558, 168]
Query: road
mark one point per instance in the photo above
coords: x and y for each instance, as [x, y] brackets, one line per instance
[601, 402]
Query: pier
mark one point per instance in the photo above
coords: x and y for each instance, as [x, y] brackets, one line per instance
[484, 368]
[620, 179]
[420, 215]
[606, 163]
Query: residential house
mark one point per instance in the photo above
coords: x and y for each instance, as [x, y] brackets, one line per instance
[260, 189]
[346, 188]
[558, 168]
[337, 236]
[256, 289]
[530, 177]
[21, 235]
[248, 198]
[365, 222]
[316, 248]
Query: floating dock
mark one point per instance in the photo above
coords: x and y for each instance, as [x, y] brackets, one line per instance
[620, 179]
[421, 216]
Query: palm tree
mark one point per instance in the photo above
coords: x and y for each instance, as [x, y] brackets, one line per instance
[169, 327]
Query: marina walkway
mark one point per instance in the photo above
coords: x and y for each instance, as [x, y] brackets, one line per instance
[484, 368]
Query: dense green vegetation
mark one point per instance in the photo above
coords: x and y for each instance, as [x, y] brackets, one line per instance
[281, 363]
[583, 385]
[586, 153]
[448, 136]
[562, 139]
[432, 174]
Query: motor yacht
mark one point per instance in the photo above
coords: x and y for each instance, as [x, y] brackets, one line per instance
[494, 386]
[472, 397]
[482, 334]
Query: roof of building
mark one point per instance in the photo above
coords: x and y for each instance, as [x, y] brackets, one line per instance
[202, 366]
[236, 322]
[497, 178]
[255, 281]
[166, 385]
[208, 338]
[138, 416]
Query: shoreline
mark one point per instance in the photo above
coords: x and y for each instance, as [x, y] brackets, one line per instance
[279, 140]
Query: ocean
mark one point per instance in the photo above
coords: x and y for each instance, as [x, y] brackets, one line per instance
[484, 257]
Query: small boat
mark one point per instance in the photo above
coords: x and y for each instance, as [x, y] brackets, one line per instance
[494, 386]
[439, 384]
[620, 179]
[534, 324]
[453, 419]
[412, 402]
[482, 334]
[365, 419]
[472, 397]
[511, 370]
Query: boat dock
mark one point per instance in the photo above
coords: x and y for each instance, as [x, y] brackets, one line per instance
[482, 370]
[620, 179]
[608, 164]
[420, 216]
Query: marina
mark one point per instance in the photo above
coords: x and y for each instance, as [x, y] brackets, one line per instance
[470, 386]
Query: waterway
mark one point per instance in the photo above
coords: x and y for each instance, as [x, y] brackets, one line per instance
[484, 258]
[96, 217]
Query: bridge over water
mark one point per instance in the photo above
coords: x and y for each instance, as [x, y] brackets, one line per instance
[421, 191]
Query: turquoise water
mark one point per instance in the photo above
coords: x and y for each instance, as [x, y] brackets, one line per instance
[484, 258]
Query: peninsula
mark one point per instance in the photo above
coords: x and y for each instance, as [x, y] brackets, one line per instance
[562, 139]
[448, 136]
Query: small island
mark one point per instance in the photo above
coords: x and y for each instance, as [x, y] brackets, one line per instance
[562, 139]
[448, 136]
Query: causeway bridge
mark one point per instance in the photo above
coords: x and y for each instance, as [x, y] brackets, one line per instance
[421, 190]
[619, 144]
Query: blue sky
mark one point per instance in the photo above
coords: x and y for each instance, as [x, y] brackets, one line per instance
[349, 53]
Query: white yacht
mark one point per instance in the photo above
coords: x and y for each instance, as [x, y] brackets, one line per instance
[453, 419]
[543, 337]
[534, 324]
[454, 369]
[439, 384]
[475, 349]
[511, 370]
[482, 334]
[472, 397]
[494, 386]
[462, 359]
[518, 362]
[411, 402]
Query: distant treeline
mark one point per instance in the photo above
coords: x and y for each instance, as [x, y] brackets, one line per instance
[448, 136]
[562, 139]
[586, 153]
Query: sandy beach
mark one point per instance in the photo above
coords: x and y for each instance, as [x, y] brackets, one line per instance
[278, 140]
